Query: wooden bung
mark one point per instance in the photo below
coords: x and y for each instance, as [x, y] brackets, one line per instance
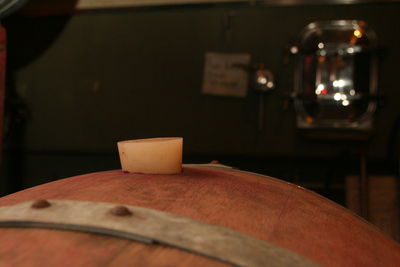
[152, 155]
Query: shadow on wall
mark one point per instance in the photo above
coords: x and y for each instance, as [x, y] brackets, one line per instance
[27, 39]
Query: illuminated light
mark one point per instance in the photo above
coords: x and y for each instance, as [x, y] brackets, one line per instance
[345, 102]
[321, 59]
[294, 50]
[352, 92]
[309, 120]
[357, 33]
[337, 96]
[319, 89]
[270, 84]
[320, 45]
[350, 50]
[339, 83]
[262, 80]
[322, 53]
[343, 97]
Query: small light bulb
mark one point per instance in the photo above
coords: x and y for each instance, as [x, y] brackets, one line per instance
[262, 80]
[294, 50]
[337, 96]
[338, 83]
[357, 33]
[320, 87]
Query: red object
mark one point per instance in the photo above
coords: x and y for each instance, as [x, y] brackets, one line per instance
[272, 210]
[3, 46]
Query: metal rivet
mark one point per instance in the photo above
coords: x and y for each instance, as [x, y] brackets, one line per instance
[121, 211]
[40, 204]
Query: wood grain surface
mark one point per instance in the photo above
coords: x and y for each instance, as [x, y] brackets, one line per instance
[272, 210]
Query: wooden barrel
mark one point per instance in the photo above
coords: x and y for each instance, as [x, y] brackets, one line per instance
[281, 214]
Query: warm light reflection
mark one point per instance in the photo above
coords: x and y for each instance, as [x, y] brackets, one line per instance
[320, 45]
[352, 92]
[319, 89]
[270, 84]
[321, 59]
[339, 83]
[357, 33]
[294, 50]
[341, 97]
[350, 50]
[262, 80]
[337, 96]
[309, 120]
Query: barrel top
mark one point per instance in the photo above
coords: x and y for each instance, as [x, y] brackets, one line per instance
[270, 209]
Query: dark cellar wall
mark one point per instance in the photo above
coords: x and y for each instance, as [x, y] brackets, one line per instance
[92, 79]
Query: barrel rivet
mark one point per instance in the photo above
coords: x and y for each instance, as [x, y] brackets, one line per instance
[121, 211]
[40, 204]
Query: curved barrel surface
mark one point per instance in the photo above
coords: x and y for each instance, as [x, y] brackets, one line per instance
[280, 213]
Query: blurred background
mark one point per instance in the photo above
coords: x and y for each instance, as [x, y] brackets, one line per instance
[80, 78]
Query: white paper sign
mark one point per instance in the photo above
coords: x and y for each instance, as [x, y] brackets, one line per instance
[226, 74]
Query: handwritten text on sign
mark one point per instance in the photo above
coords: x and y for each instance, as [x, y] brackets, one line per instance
[226, 74]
